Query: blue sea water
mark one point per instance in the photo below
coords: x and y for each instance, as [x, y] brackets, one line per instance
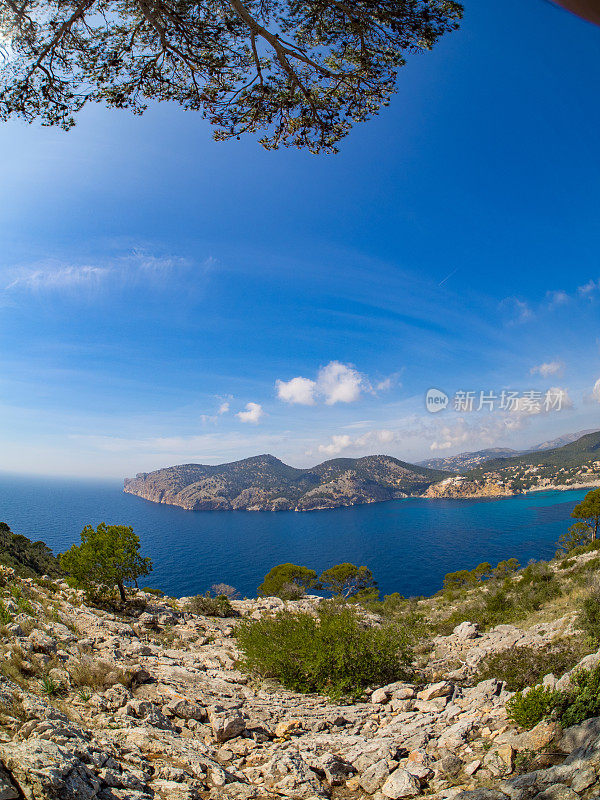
[408, 544]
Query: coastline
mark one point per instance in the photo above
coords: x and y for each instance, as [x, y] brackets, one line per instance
[254, 510]
[563, 487]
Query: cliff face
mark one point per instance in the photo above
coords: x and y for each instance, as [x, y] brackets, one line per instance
[264, 483]
[460, 488]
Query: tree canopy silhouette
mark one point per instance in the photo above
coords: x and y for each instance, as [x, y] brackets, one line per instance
[298, 72]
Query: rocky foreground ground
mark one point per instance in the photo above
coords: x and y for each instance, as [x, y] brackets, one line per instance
[168, 715]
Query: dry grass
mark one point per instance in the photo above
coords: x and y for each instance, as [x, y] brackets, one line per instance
[97, 675]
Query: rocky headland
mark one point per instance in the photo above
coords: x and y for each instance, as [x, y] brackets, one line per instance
[264, 483]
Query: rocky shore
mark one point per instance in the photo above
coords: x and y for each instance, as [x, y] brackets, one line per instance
[154, 706]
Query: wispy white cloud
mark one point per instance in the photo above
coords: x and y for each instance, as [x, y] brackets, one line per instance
[596, 391]
[518, 310]
[548, 368]
[252, 414]
[58, 278]
[131, 269]
[385, 384]
[557, 298]
[589, 289]
[223, 408]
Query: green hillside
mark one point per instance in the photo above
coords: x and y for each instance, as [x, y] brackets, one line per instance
[571, 463]
[28, 558]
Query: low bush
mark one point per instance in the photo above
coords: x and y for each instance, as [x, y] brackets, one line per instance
[582, 700]
[525, 666]
[5, 617]
[97, 675]
[335, 654]
[588, 618]
[208, 606]
[528, 708]
[155, 592]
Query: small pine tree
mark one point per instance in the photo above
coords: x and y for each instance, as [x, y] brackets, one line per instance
[108, 557]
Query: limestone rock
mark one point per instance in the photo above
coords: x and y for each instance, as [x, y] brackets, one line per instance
[401, 784]
[466, 630]
[226, 724]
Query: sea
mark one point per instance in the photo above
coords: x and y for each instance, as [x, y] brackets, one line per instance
[409, 545]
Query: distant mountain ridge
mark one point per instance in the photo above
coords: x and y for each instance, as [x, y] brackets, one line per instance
[574, 465]
[470, 460]
[264, 483]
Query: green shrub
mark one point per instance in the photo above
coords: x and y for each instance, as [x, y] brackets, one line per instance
[5, 616]
[50, 687]
[207, 606]
[588, 618]
[582, 701]
[155, 592]
[530, 708]
[524, 666]
[335, 654]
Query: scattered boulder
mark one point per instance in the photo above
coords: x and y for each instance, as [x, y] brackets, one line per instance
[401, 784]
[226, 724]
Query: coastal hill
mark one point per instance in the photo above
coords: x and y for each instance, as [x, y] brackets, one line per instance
[465, 461]
[264, 483]
[574, 465]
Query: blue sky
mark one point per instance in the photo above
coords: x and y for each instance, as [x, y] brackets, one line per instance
[153, 283]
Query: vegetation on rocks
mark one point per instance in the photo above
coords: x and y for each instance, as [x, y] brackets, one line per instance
[334, 654]
[523, 666]
[27, 558]
[528, 708]
[212, 605]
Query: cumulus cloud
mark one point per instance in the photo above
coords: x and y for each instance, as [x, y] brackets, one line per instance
[373, 439]
[336, 383]
[297, 390]
[252, 414]
[548, 368]
[340, 383]
[338, 444]
[223, 408]
[596, 391]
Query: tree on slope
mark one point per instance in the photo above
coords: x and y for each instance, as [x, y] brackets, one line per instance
[347, 580]
[107, 557]
[588, 512]
[301, 72]
[288, 581]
